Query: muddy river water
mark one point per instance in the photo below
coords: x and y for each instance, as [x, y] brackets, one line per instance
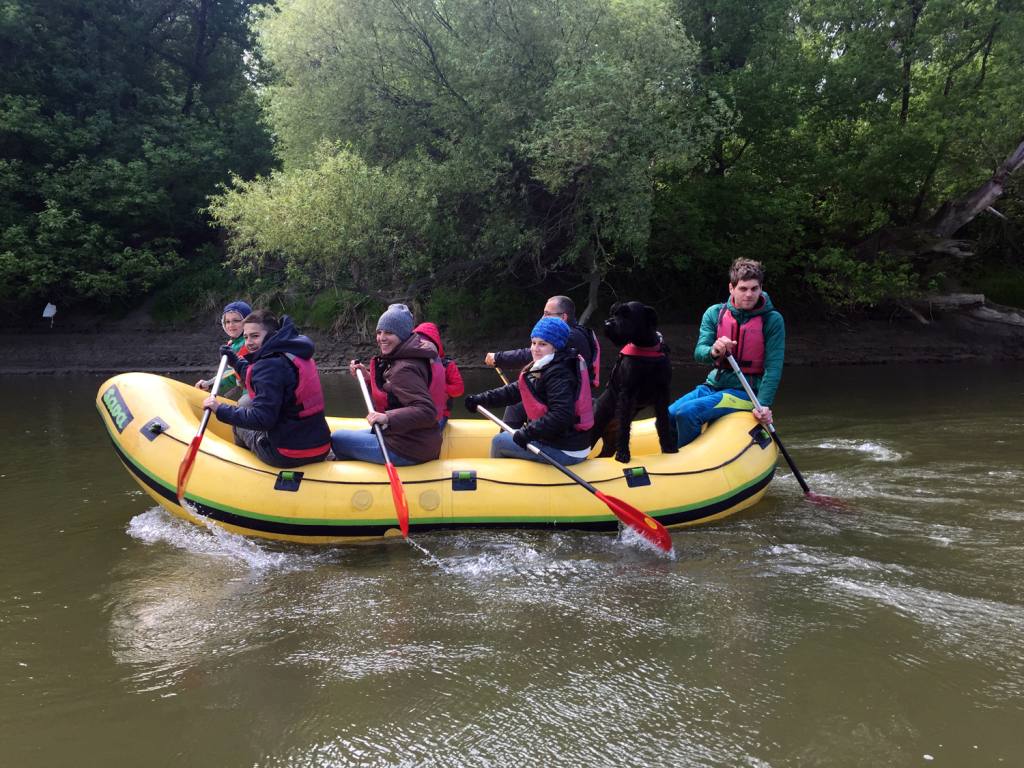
[788, 635]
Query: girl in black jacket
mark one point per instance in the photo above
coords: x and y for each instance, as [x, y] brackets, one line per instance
[555, 391]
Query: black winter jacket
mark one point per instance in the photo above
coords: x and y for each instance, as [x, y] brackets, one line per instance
[556, 385]
[274, 379]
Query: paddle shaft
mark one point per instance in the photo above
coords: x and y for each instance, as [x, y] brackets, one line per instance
[501, 374]
[214, 386]
[641, 522]
[185, 469]
[397, 491]
[537, 451]
[370, 409]
[771, 426]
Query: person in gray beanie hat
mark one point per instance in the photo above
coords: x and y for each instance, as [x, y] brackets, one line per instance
[404, 406]
[397, 319]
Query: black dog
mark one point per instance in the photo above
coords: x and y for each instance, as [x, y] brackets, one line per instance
[642, 377]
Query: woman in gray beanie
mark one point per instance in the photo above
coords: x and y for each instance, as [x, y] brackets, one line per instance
[399, 379]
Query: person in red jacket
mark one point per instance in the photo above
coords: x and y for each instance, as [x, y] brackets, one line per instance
[453, 385]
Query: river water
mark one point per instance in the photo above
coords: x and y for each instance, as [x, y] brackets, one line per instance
[788, 635]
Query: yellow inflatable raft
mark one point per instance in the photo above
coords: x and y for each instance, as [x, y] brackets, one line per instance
[152, 419]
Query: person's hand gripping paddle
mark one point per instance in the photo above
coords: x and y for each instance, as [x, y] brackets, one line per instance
[645, 525]
[397, 492]
[187, 463]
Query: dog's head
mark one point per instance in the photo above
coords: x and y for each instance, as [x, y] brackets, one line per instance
[631, 321]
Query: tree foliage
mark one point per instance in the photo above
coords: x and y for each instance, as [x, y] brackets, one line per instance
[500, 136]
[427, 143]
[117, 119]
[850, 118]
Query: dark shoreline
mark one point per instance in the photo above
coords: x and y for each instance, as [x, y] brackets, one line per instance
[115, 348]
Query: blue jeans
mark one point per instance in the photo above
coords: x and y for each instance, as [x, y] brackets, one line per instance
[362, 445]
[504, 447]
[702, 406]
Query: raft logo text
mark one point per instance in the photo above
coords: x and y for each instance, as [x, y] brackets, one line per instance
[119, 413]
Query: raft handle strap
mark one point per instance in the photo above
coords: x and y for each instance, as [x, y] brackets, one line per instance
[464, 480]
[636, 476]
[288, 480]
[153, 428]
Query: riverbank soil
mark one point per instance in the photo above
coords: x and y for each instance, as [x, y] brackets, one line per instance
[137, 343]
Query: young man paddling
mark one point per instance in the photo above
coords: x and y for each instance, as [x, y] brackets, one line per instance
[748, 327]
[284, 423]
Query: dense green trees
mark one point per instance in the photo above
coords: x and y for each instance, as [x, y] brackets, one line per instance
[853, 121]
[426, 144]
[117, 119]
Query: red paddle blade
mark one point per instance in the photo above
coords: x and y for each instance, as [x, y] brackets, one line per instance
[185, 470]
[642, 523]
[826, 501]
[401, 505]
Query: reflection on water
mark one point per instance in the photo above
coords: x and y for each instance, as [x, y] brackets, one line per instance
[887, 634]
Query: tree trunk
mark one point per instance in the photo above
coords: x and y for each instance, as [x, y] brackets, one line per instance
[936, 236]
[953, 216]
[593, 284]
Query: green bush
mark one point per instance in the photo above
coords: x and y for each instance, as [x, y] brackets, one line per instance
[473, 312]
[203, 289]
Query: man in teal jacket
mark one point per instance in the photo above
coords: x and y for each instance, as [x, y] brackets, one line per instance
[748, 327]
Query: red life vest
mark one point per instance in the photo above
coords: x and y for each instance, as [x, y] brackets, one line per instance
[382, 400]
[749, 339]
[632, 350]
[309, 395]
[584, 406]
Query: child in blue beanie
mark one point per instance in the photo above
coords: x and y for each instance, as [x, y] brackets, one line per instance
[555, 392]
[231, 318]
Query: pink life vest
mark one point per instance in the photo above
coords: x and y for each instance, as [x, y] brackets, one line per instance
[749, 339]
[309, 395]
[438, 394]
[584, 406]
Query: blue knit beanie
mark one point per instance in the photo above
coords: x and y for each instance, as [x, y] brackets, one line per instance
[553, 330]
[238, 306]
[397, 319]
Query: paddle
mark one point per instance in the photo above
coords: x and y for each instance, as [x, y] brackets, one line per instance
[808, 494]
[397, 492]
[642, 523]
[501, 373]
[185, 470]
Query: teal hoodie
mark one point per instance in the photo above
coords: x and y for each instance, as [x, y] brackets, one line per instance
[765, 385]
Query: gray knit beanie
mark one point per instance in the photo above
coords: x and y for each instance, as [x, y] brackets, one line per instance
[397, 319]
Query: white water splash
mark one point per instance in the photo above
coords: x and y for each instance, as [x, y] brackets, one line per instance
[631, 538]
[159, 526]
[874, 451]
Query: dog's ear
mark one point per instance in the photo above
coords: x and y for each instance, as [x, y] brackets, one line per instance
[614, 308]
[651, 316]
